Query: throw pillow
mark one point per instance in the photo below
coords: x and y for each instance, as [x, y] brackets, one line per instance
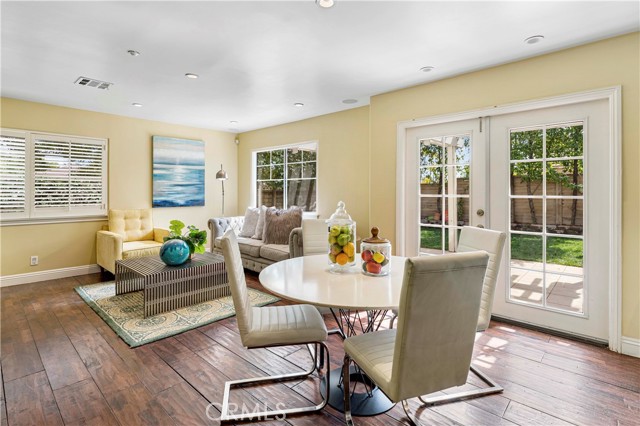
[260, 226]
[278, 224]
[251, 217]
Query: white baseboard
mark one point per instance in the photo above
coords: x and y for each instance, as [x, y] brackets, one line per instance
[630, 346]
[51, 274]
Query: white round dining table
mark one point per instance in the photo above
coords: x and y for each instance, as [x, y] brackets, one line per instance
[308, 279]
[349, 294]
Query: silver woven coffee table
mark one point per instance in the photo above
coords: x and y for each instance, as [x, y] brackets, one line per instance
[171, 287]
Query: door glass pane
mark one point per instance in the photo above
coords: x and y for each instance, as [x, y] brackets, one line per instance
[294, 155]
[526, 214]
[526, 178]
[463, 150]
[431, 240]
[431, 180]
[462, 218]
[431, 210]
[565, 141]
[547, 245]
[526, 251]
[565, 177]
[564, 216]
[526, 286]
[565, 292]
[430, 153]
[526, 144]
[565, 255]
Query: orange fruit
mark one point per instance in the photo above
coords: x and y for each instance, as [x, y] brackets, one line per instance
[342, 259]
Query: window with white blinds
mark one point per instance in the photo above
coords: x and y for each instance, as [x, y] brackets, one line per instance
[47, 176]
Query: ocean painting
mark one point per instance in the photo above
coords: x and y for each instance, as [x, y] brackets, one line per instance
[178, 172]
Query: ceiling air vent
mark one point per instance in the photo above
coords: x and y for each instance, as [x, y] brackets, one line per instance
[92, 82]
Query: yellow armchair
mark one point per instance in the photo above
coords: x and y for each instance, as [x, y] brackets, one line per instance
[130, 233]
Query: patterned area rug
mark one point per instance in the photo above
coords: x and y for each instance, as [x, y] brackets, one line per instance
[124, 313]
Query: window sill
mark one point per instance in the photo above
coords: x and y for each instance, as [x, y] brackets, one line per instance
[50, 220]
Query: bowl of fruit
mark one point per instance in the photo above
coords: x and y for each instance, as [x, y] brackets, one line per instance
[341, 238]
[376, 255]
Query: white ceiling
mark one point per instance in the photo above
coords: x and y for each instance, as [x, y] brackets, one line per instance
[257, 58]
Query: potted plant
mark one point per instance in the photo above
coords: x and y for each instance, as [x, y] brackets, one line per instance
[194, 237]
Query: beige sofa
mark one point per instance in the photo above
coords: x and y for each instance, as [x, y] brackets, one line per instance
[129, 233]
[255, 254]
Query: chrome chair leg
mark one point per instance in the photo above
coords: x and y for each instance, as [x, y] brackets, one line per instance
[461, 396]
[346, 390]
[225, 417]
[409, 413]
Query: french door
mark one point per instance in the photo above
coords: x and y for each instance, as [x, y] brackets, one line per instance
[549, 182]
[447, 178]
[542, 177]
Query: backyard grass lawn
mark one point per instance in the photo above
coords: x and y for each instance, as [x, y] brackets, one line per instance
[560, 251]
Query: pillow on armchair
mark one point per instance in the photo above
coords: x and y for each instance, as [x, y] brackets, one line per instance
[278, 224]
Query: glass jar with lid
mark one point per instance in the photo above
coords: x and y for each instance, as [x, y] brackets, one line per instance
[376, 255]
[342, 240]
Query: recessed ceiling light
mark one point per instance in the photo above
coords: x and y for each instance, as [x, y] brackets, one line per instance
[325, 3]
[135, 104]
[191, 75]
[298, 104]
[350, 101]
[534, 39]
[233, 122]
[428, 68]
[133, 52]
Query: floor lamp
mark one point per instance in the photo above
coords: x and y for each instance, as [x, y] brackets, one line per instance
[222, 176]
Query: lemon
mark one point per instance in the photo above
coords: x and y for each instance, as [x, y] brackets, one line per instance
[349, 249]
[378, 257]
[342, 259]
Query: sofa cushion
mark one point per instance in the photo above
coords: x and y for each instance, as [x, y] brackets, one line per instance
[132, 225]
[250, 246]
[251, 217]
[278, 224]
[140, 248]
[275, 252]
[260, 226]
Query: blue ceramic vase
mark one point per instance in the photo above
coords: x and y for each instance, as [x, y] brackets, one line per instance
[174, 252]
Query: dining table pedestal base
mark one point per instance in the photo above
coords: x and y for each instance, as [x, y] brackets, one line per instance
[371, 402]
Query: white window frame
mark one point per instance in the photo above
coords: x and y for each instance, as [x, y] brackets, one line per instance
[54, 215]
[312, 144]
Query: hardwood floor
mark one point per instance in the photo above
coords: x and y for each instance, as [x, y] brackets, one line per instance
[61, 364]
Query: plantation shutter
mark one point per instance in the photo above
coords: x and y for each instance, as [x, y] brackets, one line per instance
[13, 165]
[69, 176]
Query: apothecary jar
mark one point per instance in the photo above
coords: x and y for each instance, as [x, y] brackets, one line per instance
[342, 240]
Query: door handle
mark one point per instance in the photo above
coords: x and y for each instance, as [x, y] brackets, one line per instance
[480, 212]
[480, 226]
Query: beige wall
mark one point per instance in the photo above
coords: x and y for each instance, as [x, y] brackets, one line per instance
[607, 63]
[130, 181]
[343, 160]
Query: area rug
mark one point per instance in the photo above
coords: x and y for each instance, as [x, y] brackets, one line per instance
[124, 313]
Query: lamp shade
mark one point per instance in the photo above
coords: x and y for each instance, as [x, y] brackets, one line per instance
[221, 175]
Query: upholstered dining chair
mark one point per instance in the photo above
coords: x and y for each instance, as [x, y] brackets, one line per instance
[268, 327]
[432, 347]
[491, 241]
[314, 237]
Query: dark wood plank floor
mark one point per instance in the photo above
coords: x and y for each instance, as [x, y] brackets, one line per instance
[61, 364]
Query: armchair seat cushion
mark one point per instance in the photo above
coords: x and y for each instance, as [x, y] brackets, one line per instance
[374, 353]
[275, 252]
[285, 325]
[140, 248]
